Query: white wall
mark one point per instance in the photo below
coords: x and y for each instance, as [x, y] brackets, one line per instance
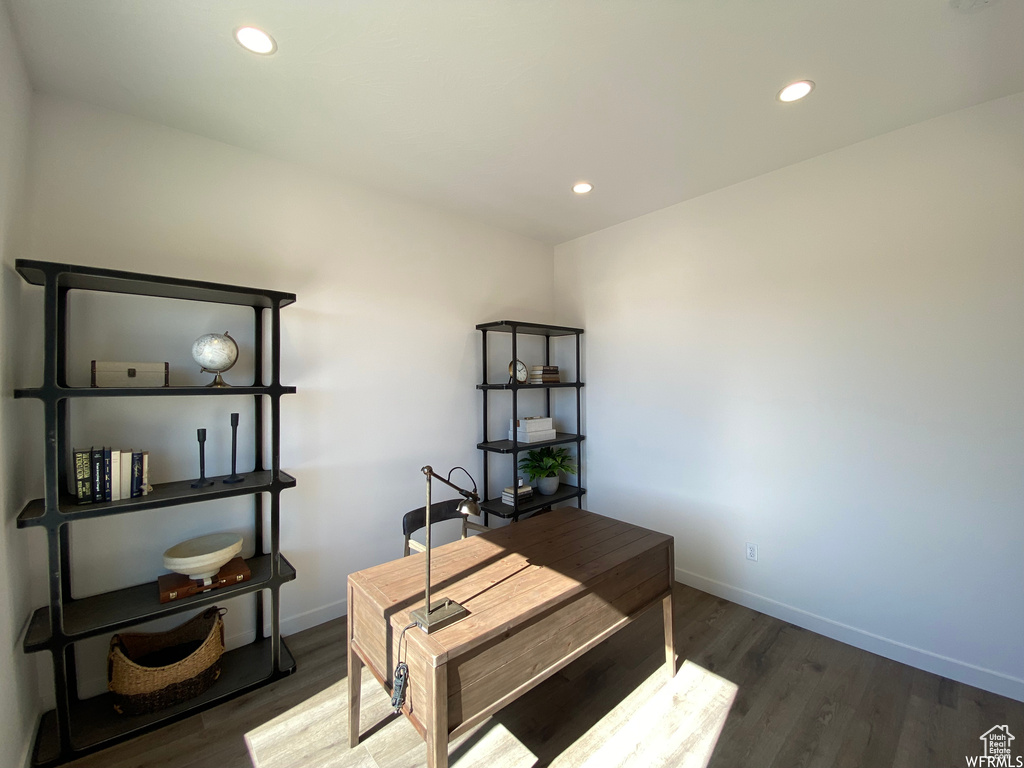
[381, 342]
[19, 700]
[828, 361]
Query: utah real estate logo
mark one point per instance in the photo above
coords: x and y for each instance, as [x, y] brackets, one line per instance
[997, 751]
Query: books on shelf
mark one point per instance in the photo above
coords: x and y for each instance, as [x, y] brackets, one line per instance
[114, 484]
[107, 490]
[105, 474]
[135, 481]
[544, 374]
[146, 487]
[532, 437]
[98, 489]
[532, 424]
[83, 476]
[125, 476]
[524, 492]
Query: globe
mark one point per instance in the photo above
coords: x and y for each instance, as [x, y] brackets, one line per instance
[215, 353]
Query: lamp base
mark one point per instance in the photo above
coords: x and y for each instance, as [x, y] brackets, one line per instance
[441, 614]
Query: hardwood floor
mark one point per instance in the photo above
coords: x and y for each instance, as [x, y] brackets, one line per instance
[801, 700]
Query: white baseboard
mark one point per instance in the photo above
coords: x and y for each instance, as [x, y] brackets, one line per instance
[292, 624]
[987, 679]
[300, 621]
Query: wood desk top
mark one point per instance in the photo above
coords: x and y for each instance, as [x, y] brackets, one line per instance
[505, 577]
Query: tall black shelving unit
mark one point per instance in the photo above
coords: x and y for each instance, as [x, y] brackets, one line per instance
[566, 491]
[78, 726]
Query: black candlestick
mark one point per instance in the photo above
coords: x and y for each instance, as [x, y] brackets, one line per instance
[202, 482]
[234, 477]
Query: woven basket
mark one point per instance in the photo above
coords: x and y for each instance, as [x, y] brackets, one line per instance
[140, 687]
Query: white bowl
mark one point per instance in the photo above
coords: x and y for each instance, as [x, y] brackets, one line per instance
[203, 557]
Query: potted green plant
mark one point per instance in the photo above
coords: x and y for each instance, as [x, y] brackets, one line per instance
[544, 464]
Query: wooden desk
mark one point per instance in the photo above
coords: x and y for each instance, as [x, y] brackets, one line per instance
[540, 593]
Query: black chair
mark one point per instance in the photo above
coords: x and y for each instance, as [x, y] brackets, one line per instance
[439, 511]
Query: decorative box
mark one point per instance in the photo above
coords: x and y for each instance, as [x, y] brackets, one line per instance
[106, 374]
[175, 586]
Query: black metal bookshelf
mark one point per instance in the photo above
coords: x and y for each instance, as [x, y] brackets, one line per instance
[566, 491]
[77, 726]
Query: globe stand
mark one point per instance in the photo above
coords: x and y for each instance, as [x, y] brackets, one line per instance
[217, 380]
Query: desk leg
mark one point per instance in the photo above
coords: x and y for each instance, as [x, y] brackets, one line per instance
[437, 718]
[670, 638]
[355, 679]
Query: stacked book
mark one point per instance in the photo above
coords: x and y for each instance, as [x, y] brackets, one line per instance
[106, 474]
[524, 492]
[535, 429]
[544, 374]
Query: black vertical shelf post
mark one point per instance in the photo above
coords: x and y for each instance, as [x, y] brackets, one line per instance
[275, 467]
[257, 381]
[512, 446]
[515, 421]
[483, 378]
[579, 417]
[76, 727]
[58, 536]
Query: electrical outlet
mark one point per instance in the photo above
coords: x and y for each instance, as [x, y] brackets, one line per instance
[751, 551]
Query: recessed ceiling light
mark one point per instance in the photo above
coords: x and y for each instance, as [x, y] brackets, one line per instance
[582, 188]
[796, 91]
[255, 40]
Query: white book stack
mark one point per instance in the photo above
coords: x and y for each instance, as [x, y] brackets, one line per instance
[533, 429]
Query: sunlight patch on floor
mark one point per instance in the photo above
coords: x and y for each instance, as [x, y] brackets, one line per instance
[673, 724]
[660, 723]
[678, 725]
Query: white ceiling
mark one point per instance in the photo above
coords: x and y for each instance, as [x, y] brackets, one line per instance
[494, 108]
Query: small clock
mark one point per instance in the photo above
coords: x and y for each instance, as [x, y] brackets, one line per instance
[517, 370]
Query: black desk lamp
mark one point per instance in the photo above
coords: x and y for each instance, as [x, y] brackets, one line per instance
[434, 616]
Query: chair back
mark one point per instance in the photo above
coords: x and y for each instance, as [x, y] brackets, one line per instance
[439, 511]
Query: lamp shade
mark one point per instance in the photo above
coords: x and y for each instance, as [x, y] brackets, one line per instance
[469, 507]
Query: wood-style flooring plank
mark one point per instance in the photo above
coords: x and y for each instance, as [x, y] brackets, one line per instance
[800, 700]
[766, 726]
[874, 731]
[817, 736]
